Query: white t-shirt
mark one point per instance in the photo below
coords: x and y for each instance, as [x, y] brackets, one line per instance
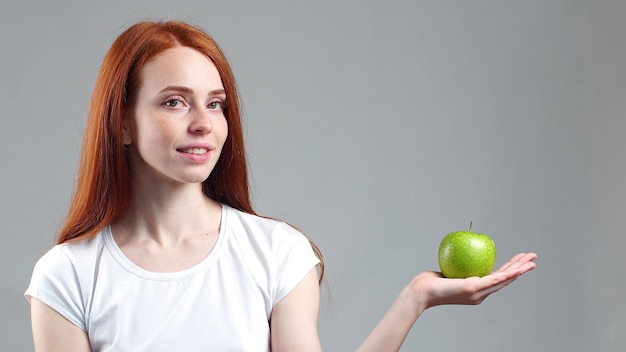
[221, 304]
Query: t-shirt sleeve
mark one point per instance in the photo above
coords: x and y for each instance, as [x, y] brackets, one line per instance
[55, 282]
[295, 259]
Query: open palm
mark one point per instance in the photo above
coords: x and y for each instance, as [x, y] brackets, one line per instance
[433, 289]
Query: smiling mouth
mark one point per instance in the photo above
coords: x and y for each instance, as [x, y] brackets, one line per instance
[196, 151]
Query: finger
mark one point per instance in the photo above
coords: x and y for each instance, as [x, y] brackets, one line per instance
[499, 277]
[499, 280]
[502, 279]
[511, 261]
[507, 276]
[496, 287]
[518, 260]
[526, 267]
[523, 261]
[531, 257]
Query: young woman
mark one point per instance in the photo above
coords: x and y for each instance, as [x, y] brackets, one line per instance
[161, 249]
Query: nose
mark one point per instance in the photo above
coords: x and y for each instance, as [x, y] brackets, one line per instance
[201, 122]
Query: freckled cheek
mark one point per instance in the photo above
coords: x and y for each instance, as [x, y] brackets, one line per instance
[156, 135]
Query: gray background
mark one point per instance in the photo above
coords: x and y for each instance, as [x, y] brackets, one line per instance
[377, 127]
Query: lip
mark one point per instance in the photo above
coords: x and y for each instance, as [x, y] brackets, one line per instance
[197, 153]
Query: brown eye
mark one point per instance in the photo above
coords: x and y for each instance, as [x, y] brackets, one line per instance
[173, 103]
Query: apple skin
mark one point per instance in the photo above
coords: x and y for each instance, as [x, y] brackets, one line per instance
[464, 254]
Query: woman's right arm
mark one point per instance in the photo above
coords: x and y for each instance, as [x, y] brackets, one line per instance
[52, 332]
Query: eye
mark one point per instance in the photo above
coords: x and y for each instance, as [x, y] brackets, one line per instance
[216, 105]
[174, 103]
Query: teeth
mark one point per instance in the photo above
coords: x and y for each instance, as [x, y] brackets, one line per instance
[195, 150]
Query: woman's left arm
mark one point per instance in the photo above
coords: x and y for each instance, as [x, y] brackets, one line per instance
[294, 318]
[430, 289]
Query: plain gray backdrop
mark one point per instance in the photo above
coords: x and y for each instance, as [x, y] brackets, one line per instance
[377, 127]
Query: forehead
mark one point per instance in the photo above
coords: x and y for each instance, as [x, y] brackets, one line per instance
[181, 66]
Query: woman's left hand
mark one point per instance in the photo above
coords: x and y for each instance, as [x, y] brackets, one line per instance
[432, 289]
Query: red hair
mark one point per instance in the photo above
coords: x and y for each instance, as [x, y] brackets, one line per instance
[102, 191]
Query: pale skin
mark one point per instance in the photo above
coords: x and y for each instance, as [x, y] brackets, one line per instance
[175, 133]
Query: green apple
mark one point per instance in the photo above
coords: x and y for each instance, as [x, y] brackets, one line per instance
[465, 253]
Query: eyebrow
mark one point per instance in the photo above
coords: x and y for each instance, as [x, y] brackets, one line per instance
[189, 90]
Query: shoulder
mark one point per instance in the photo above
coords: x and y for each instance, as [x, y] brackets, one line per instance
[72, 253]
[62, 277]
[262, 230]
[65, 255]
[273, 250]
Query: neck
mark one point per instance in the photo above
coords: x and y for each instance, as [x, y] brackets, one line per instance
[169, 214]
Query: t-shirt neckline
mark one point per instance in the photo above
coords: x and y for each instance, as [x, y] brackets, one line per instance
[135, 269]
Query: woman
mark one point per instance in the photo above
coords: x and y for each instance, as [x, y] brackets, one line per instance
[161, 249]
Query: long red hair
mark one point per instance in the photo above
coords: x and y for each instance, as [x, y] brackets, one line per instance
[102, 190]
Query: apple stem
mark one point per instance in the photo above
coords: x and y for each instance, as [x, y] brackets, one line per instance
[470, 229]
